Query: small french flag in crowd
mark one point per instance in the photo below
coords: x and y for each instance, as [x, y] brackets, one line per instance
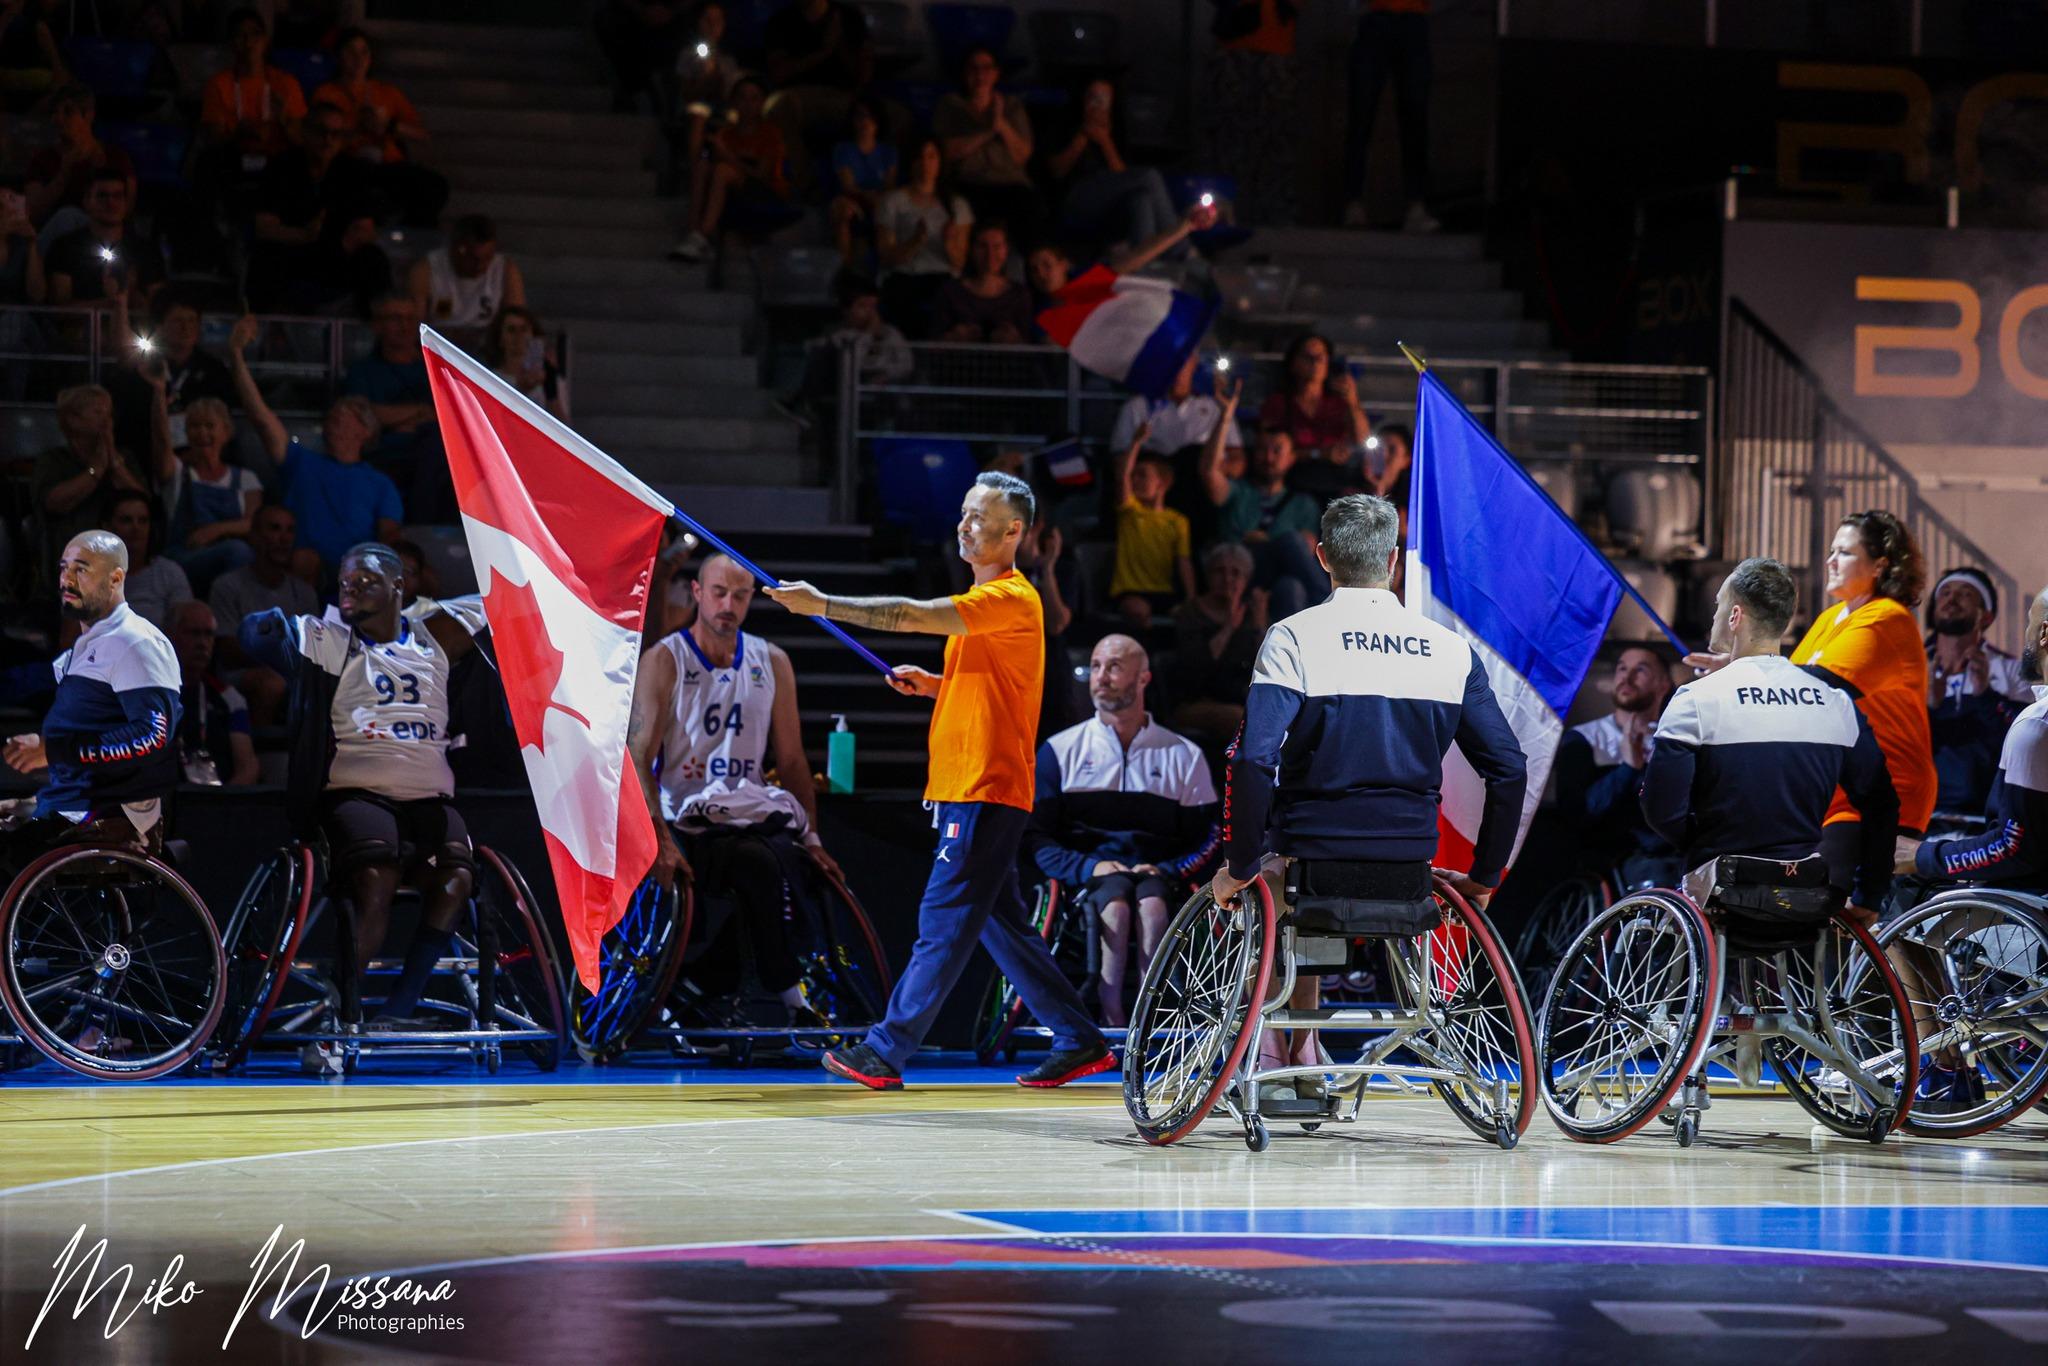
[1128, 328]
[1066, 463]
[952, 830]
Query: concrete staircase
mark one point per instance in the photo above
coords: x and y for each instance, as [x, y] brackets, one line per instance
[520, 124]
[1367, 290]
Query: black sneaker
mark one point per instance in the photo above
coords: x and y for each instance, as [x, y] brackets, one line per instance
[864, 1065]
[1070, 1064]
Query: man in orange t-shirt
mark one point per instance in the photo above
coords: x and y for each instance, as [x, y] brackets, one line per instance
[980, 790]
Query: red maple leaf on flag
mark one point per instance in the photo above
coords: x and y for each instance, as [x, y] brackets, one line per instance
[528, 662]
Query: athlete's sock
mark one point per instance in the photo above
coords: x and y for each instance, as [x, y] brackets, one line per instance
[427, 948]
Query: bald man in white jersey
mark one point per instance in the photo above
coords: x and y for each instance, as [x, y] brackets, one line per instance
[712, 704]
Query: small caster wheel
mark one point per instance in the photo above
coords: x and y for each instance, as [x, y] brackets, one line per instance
[493, 1059]
[1688, 1126]
[1311, 1126]
[1880, 1125]
[1667, 1118]
[1255, 1136]
[1505, 1137]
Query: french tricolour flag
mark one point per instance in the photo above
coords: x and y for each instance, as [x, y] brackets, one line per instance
[1134, 330]
[1492, 557]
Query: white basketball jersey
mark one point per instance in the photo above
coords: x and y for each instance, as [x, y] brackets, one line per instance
[459, 302]
[714, 760]
[390, 709]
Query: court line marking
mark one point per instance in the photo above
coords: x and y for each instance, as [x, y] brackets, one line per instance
[58, 1182]
[981, 1221]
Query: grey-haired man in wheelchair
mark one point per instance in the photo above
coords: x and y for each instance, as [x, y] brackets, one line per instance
[369, 768]
[1353, 705]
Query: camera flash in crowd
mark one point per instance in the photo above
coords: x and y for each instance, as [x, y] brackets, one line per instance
[144, 344]
[703, 51]
[1222, 364]
[1208, 201]
[107, 255]
[1372, 443]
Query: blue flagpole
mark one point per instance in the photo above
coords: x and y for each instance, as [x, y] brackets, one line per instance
[1423, 376]
[831, 628]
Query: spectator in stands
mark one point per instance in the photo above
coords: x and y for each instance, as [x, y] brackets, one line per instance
[1251, 125]
[518, 352]
[744, 170]
[60, 175]
[1125, 810]
[986, 136]
[880, 354]
[1278, 525]
[385, 131]
[31, 64]
[214, 742]
[1155, 568]
[1216, 643]
[639, 38]
[208, 502]
[460, 287]
[251, 111]
[155, 584]
[863, 169]
[1392, 42]
[1974, 690]
[392, 374]
[187, 373]
[1321, 413]
[817, 57]
[1182, 418]
[316, 227]
[1600, 770]
[74, 484]
[921, 240]
[1104, 199]
[984, 305]
[22, 277]
[1386, 468]
[1056, 577]
[105, 259]
[337, 499]
[1051, 264]
[421, 583]
[705, 75]
[265, 582]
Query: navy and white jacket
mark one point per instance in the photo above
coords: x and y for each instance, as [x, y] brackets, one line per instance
[111, 732]
[1353, 705]
[1598, 794]
[1099, 802]
[2014, 851]
[1747, 760]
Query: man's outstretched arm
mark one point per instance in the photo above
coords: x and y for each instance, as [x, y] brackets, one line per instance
[935, 616]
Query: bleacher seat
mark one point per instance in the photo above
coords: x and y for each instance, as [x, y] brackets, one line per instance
[310, 67]
[118, 73]
[892, 36]
[194, 64]
[1658, 588]
[798, 277]
[1257, 290]
[746, 29]
[447, 552]
[1074, 45]
[957, 29]
[1654, 513]
[27, 432]
[1560, 482]
[157, 149]
[1148, 121]
[920, 482]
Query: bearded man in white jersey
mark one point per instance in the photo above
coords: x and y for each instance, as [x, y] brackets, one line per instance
[711, 706]
[369, 763]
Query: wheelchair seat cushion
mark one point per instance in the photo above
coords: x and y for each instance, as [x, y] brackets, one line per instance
[1775, 891]
[1359, 897]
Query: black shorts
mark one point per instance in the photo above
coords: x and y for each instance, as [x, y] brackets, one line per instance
[1129, 888]
[365, 829]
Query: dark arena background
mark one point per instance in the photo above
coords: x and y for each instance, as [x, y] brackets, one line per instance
[608, 317]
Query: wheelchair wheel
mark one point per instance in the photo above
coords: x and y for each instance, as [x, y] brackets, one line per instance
[525, 985]
[1461, 976]
[638, 960]
[846, 978]
[1628, 1015]
[1002, 1009]
[1872, 1031]
[261, 940]
[113, 966]
[1975, 968]
[1192, 1022]
[1564, 910]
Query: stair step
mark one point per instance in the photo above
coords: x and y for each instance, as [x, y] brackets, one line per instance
[622, 208]
[1435, 336]
[563, 271]
[1475, 305]
[719, 504]
[401, 35]
[636, 369]
[518, 119]
[475, 152]
[594, 239]
[570, 64]
[596, 392]
[1294, 243]
[566, 176]
[681, 431]
[1366, 272]
[640, 302]
[495, 93]
[652, 338]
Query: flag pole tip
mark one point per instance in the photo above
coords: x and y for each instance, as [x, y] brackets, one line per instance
[1415, 358]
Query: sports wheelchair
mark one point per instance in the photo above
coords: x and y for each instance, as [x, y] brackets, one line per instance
[112, 966]
[642, 995]
[1456, 1022]
[1974, 963]
[1568, 907]
[289, 985]
[1065, 920]
[1767, 966]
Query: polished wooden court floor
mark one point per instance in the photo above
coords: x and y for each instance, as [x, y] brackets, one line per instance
[672, 1215]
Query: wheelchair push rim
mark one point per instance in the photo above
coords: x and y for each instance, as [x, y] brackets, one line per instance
[260, 953]
[1193, 1019]
[106, 979]
[1976, 975]
[1471, 989]
[526, 986]
[638, 961]
[1844, 994]
[853, 963]
[1643, 978]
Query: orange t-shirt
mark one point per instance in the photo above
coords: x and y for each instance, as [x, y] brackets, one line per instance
[268, 101]
[984, 727]
[396, 108]
[1878, 651]
[1274, 36]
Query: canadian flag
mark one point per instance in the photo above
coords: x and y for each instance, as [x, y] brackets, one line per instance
[563, 539]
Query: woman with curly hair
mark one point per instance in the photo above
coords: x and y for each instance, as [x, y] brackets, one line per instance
[1869, 644]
